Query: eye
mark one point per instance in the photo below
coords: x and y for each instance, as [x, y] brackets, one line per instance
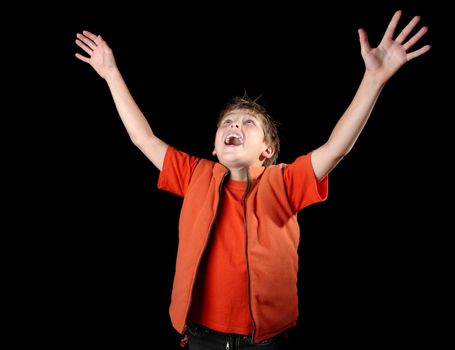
[250, 122]
[227, 121]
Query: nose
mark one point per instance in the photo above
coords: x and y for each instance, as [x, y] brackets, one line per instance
[235, 125]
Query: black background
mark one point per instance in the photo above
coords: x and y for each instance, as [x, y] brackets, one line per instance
[97, 240]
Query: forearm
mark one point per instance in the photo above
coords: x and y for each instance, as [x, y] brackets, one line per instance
[348, 127]
[353, 120]
[133, 119]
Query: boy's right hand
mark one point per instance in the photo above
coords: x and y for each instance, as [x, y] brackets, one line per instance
[100, 54]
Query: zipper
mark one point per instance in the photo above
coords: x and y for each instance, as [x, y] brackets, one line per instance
[205, 246]
[248, 185]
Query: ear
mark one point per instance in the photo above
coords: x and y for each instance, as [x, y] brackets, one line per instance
[268, 152]
[214, 152]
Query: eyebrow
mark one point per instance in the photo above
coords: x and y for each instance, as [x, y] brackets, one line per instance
[231, 113]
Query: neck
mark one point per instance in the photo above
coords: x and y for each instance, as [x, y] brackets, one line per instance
[238, 174]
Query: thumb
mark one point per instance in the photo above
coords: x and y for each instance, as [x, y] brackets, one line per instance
[363, 39]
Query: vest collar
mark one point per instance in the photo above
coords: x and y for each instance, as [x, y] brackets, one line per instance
[254, 172]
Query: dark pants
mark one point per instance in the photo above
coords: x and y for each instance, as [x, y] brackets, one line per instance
[203, 338]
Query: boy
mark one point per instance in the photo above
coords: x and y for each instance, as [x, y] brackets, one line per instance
[235, 284]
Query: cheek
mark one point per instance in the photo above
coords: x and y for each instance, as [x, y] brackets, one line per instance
[218, 138]
[257, 136]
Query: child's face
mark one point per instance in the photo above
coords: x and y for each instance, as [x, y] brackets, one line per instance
[239, 140]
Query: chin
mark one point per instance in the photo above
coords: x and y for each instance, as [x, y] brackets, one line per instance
[229, 161]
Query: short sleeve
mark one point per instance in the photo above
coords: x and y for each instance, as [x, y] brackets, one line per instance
[177, 170]
[301, 184]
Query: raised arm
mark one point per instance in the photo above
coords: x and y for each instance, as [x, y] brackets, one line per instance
[381, 63]
[102, 60]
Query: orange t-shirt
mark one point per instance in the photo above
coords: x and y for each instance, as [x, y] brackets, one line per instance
[220, 299]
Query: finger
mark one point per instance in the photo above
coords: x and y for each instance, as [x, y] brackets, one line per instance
[84, 47]
[99, 40]
[95, 38]
[415, 38]
[364, 43]
[392, 25]
[82, 58]
[87, 41]
[418, 52]
[89, 35]
[103, 44]
[408, 29]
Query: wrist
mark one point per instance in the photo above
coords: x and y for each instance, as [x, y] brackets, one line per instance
[112, 74]
[373, 80]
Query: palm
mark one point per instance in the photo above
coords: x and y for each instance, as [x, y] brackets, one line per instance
[100, 54]
[385, 59]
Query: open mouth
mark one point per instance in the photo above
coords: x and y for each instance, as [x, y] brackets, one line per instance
[233, 140]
